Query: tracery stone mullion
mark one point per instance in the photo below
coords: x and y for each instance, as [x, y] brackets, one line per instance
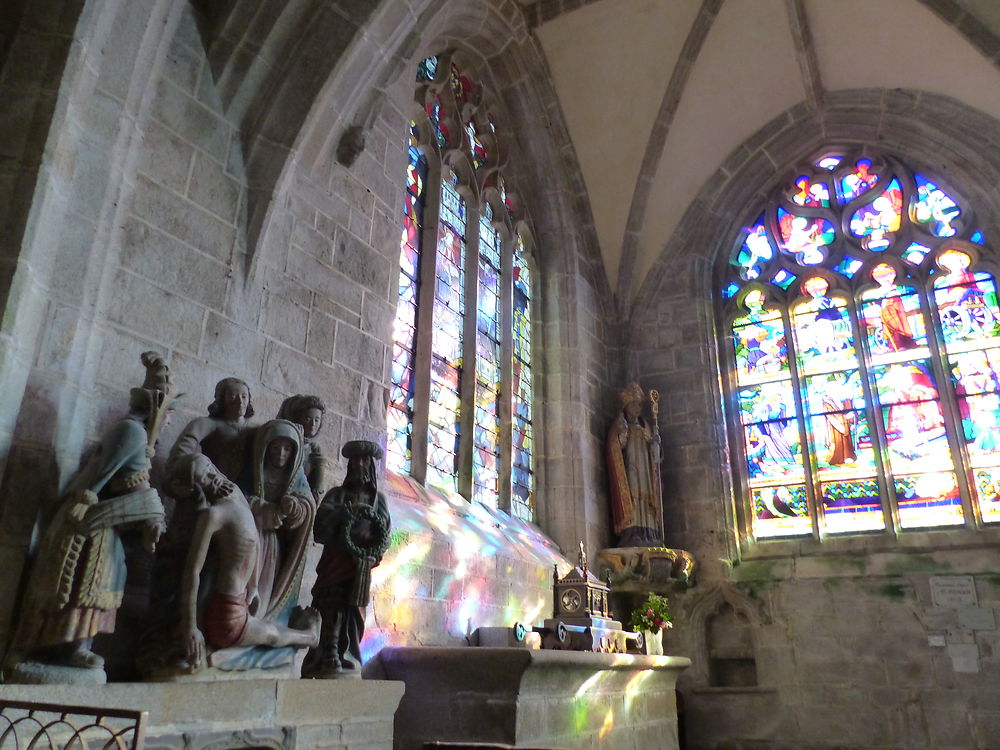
[506, 395]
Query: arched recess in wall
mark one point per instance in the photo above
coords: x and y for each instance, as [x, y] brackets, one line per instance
[934, 133]
[724, 622]
[352, 93]
[366, 93]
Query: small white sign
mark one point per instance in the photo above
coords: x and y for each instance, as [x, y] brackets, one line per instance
[977, 618]
[953, 591]
[964, 657]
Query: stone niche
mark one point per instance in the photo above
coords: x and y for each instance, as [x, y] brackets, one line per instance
[536, 698]
[271, 714]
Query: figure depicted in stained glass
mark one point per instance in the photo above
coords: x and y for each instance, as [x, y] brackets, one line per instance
[771, 416]
[807, 193]
[633, 452]
[756, 252]
[840, 433]
[858, 181]
[822, 328]
[935, 208]
[804, 237]
[896, 330]
[880, 219]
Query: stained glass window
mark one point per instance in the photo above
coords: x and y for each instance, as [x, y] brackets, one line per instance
[400, 415]
[486, 437]
[865, 351]
[522, 475]
[462, 421]
[447, 339]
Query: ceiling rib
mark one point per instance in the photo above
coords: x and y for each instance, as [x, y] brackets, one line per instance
[980, 36]
[805, 53]
[657, 140]
[543, 11]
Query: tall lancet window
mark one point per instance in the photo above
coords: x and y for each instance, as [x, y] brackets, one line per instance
[864, 353]
[460, 414]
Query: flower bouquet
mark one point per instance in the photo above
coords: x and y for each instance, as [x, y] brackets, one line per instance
[652, 617]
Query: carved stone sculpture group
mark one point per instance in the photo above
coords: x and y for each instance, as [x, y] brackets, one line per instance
[245, 502]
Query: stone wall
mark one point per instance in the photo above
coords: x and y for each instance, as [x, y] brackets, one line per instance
[190, 202]
[841, 632]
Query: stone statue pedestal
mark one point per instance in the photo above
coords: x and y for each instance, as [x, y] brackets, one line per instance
[39, 673]
[646, 569]
[636, 572]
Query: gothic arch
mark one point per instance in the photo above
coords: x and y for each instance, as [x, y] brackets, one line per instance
[672, 326]
[936, 132]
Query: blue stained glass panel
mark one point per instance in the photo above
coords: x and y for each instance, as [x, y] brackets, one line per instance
[427, 69]
[915, 253]
[755, 252]
[877, 221]
[783, 279]
[848, 266]
[934, 208]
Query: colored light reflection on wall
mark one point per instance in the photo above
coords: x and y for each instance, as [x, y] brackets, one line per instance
[454, 566]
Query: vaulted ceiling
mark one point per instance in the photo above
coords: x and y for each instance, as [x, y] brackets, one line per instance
[657, 93]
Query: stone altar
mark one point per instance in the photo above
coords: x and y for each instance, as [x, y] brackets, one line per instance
[567, 699]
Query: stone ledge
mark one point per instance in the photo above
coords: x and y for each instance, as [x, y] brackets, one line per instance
[202, 709]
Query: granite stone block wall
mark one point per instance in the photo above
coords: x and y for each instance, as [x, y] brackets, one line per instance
[848, 648]
[189, 200]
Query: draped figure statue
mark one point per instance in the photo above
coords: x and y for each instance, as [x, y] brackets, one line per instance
[78, 576]
[633, 455]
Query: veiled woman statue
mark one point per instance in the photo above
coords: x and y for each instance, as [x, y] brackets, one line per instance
[633, 454]
[284, 508]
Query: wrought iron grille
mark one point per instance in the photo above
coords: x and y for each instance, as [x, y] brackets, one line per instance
[51, 726]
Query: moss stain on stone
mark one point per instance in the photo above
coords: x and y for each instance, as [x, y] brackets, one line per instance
[756, 570]
[854, 564]
[893, 591]
[903, 564]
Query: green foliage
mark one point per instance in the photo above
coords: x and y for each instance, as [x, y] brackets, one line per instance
[651, 615]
